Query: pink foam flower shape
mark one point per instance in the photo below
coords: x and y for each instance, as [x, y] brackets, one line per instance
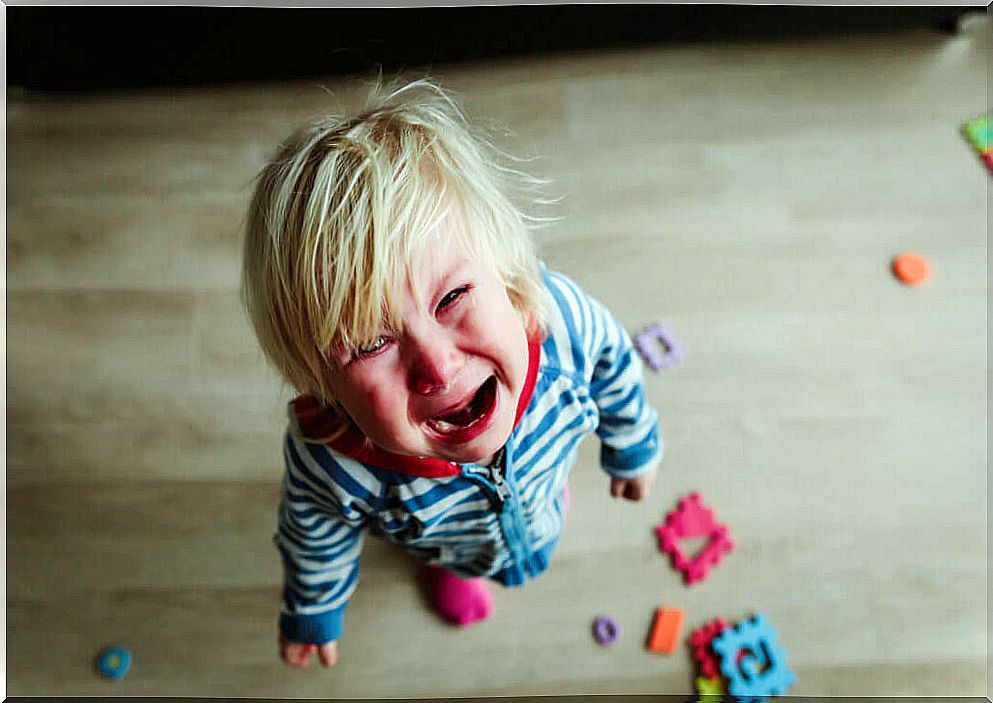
[693, 519]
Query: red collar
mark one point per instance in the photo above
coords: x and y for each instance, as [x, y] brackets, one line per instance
[315, 422]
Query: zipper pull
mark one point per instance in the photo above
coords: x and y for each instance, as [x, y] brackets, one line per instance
[496, 471]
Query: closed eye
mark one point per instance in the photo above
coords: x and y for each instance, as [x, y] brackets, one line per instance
[451, 297]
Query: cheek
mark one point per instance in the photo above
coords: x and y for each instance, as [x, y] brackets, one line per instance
[495, 325]
[503, 329]
[384, 404]
[371, 402]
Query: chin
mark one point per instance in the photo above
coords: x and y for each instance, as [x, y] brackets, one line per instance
[497, 441]
[484, 447]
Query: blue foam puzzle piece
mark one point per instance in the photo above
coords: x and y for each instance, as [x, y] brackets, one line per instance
[114, 662]
[747, 682]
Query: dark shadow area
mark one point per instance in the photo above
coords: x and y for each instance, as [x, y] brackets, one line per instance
[101, 48]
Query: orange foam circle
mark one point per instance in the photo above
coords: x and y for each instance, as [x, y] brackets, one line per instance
[911, 269]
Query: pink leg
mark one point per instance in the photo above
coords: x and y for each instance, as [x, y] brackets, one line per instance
[460, 601]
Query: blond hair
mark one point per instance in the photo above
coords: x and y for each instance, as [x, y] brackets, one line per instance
[339, 216]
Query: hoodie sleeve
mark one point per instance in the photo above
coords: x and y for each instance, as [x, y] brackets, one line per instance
[631, 443]
[319, 537]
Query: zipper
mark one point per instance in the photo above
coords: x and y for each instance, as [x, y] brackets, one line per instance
[494, 479]
[491, 479]
[513, 526]
[496, 473]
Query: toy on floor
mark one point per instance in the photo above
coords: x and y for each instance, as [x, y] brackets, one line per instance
[665, 630]
[713, 686]
[700, 641]
[114, 662]
[979, 132]
[752, 661]
[648, 343]
[693, 519]
[911, 269]
[606, 630]
[709, 680]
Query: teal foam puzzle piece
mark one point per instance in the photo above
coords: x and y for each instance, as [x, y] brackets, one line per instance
[747, 681]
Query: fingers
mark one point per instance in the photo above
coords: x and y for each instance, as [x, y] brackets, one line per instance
[328, 654]
[634, 489]
[640, 489]
[616, 487]
[297, 654]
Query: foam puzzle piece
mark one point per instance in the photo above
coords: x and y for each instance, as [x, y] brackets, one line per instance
[761, 674]
[911, 268]
[710, 686]
[665, 630]
[649, 341]
[700, 640]
[693, 519]
[114, 662]
[750, 667]
[980, 132]
[606, 630]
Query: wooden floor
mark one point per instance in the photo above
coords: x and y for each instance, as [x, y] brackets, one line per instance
[750, 196]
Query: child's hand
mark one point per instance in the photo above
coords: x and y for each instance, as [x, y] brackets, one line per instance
[632, 488]
[298, 655]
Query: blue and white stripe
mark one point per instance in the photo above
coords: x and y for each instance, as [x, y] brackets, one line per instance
[589, 380]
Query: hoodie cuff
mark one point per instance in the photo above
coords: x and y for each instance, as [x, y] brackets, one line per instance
[635, 461]
[313, 629]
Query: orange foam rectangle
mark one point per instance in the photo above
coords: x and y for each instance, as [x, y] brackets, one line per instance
[665, 630]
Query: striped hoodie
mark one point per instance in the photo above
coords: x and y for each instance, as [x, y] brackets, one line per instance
[503, 521]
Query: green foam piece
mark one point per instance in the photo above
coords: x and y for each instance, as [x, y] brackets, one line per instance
[979, 132]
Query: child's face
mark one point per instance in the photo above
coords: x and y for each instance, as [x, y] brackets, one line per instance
[448, 386]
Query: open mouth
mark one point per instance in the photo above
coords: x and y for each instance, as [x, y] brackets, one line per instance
[469, 414]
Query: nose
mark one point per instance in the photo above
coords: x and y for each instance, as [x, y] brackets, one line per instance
[434, 363]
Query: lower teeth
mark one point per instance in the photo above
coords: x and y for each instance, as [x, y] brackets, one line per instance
[443, 426]
[470, 413]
